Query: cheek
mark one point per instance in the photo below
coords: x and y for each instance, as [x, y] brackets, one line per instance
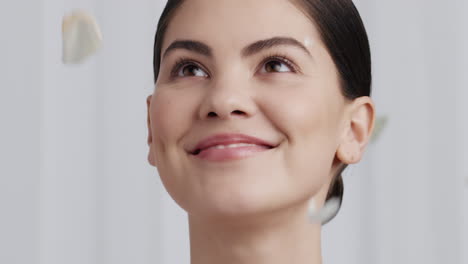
[170, 118]
[298, 112]
[308, 122]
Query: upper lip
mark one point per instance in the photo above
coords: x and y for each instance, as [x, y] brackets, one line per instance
[228, 138]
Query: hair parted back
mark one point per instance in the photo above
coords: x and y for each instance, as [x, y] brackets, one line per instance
[344, 35]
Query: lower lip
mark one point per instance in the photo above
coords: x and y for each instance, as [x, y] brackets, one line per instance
[226, 154]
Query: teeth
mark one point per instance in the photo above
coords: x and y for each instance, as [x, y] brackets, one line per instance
[233, 145]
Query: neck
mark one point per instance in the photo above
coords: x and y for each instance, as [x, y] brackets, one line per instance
[279, 237]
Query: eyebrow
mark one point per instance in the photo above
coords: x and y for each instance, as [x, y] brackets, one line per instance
[251, 49]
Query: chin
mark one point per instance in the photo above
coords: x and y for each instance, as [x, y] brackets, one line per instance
[238, 204]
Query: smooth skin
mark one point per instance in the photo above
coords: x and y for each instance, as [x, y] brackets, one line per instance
[252, 210]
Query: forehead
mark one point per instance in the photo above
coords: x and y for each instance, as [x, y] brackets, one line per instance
[228, 24]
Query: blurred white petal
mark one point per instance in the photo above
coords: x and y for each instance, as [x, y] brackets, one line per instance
[81, 37]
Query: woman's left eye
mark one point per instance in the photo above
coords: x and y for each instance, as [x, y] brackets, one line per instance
[277, 65]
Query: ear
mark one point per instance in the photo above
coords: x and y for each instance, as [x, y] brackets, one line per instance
[359, 124]
[151, 159]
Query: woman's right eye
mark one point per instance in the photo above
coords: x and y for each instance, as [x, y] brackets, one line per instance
[189, 70]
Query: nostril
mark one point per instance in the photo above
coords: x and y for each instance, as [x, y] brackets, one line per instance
[238, 112]
[212, 114]
[235, 112]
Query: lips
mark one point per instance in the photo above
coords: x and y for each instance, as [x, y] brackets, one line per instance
[221, 141]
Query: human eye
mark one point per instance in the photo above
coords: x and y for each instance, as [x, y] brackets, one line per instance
[187, 68]
[278, 63]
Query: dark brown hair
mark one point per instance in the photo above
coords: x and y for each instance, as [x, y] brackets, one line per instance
[344, 35]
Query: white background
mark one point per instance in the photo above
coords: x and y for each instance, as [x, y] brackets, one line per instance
[75, 186]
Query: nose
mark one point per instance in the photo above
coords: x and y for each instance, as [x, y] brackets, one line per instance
[226, 100]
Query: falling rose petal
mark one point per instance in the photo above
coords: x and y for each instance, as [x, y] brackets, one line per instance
[81, 37]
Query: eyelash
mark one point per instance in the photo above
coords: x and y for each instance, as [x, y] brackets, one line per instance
[185, 61]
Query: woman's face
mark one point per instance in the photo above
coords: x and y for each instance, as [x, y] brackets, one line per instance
[256, 68]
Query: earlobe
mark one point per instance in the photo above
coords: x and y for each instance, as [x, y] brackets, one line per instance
[358, 130]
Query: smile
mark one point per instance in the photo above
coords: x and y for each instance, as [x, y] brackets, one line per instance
[232, 146]
[225, 147]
